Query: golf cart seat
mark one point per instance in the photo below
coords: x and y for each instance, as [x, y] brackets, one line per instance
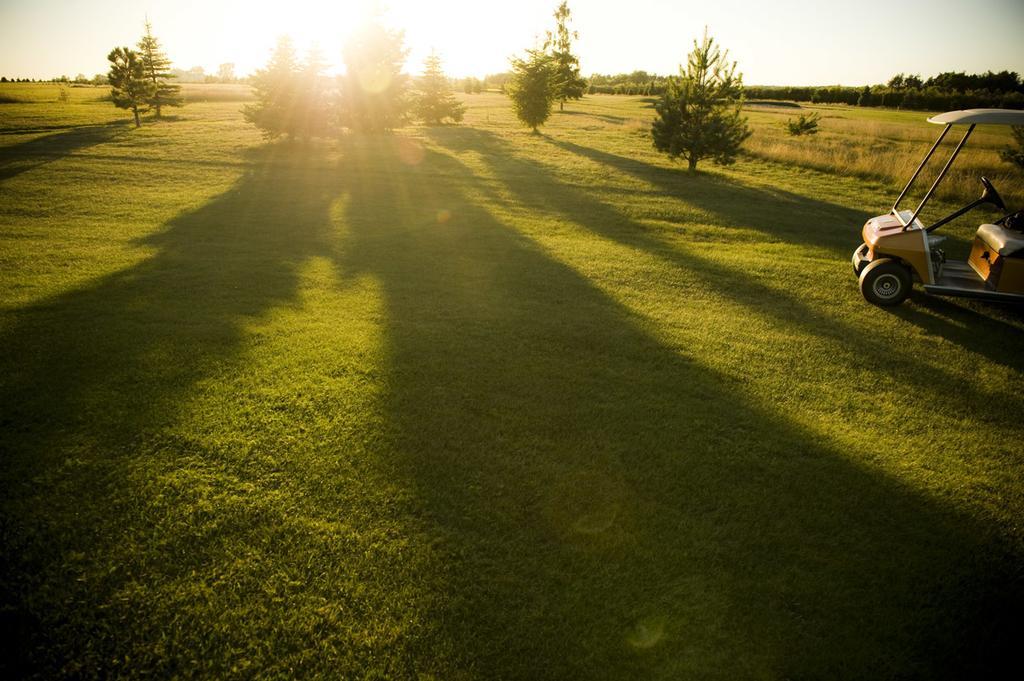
[1003, 241]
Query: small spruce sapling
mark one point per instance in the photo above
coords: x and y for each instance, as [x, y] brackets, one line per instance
[804, 124]
[699, 116]
[156, 68]
[531, 88]
[276, 93]
[434, 101]
[129, 86]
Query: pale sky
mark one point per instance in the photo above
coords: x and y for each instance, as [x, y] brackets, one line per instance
[779, 42]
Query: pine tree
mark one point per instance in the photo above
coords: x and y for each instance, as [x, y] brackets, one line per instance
[1015, 155]
[865, 98]
[129, 87]
[276, 92]
[532, 87]
[699, 116]
[156, 67]
[312, 110]
[374, 93]
[805, 124]
[568, 83]
[434, 100]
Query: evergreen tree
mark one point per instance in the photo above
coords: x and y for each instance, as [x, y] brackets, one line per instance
[568, 83]
[275, 89]
[699, 116]
[434, 100]
[311, 108]
[805, 124]
[865, 97]
[374, 93]
[1015, 155]
[156, 67]
[129, 86]
[532, 87]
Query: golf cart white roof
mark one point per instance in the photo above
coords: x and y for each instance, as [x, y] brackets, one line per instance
[980, 116]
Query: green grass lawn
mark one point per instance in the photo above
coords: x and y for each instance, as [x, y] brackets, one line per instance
[467, 402]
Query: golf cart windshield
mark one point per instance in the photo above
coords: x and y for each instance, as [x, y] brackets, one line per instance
[970, 118]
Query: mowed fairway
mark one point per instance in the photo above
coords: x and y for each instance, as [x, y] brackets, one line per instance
[470, 403]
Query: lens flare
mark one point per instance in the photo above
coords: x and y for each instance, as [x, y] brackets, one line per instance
[646, 633]
[586, 503]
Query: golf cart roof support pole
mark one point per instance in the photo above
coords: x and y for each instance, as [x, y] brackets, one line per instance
[953, 216]
[917, 172]
[942, 174]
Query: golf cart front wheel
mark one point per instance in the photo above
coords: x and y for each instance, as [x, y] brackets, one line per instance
[860, 259]
[885, 282]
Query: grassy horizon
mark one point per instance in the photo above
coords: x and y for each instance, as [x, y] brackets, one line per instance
[467, 402]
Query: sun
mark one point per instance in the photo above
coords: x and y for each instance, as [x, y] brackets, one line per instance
[309, 23]
[472, 38]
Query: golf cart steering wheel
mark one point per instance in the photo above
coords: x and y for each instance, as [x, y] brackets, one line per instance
[991, 195]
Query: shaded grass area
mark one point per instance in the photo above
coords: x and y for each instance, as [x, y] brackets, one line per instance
[18, 158]
[469, 403]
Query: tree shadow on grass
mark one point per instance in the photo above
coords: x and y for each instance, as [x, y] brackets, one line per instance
[606, 118]
[535, 185]
[19, 158]
[612, 509]
[39, 129]
[982, 332]
[89, 381]
[794, 218]
[798, 219]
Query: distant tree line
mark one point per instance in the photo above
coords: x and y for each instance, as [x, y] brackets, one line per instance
[635, 83]
[498, 81]
[946, 91]
[473, 86]
[80, 79]
[197, 74]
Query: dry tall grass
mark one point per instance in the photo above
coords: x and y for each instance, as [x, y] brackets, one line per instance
[887, 147]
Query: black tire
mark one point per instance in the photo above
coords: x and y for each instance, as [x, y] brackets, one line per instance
[858, 266]
[885, 282]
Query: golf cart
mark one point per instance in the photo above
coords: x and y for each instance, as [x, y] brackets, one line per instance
[899, 249]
